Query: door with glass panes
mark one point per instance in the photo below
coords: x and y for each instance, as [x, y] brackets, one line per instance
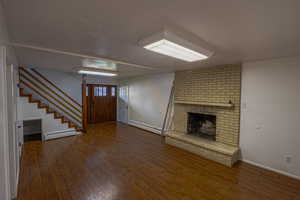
[102, 102]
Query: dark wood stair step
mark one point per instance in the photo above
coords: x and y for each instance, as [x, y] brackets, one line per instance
[72, 126]
[48, 110]
[25, 95]
[65, 121]
[22, 93]
[58, 116]
[41, 105]
[32, 100]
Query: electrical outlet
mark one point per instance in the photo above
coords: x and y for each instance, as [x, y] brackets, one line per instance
[288, 159]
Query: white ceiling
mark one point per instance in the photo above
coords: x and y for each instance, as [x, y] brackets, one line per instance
[239, 30]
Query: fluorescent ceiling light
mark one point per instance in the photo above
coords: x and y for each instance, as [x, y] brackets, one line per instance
[97, 73]
[169, 44]
[172, 49]
[99, 64]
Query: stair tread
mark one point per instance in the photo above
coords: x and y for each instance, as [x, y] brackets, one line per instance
[48, 110]
[59, 117]
[34, 101]
[22, 94]
[43, 106]
[25, 95]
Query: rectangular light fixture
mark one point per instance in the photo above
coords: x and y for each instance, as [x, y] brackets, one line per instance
[99, 64]
[169, 44]
[97, 73]
[172, 49]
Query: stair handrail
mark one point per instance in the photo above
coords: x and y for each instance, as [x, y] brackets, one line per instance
[48, 100]
[51, 90]
[49, 95]
[56, 87]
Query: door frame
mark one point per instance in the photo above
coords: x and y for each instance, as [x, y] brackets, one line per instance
[13, 139]
[4, 141]
[85, 103]
[118, 105]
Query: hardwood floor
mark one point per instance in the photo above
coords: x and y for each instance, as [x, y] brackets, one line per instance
[119, 162]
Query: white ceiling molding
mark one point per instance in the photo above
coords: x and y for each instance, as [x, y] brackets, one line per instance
[79, 55]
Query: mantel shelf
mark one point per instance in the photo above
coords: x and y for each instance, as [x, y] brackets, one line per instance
[226, 105]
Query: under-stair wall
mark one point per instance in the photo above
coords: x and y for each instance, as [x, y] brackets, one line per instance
[51, 127]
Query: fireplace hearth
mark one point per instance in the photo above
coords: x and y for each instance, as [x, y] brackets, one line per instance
[202, 125]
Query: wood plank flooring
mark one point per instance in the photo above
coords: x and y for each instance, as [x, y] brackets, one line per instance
[118, 162]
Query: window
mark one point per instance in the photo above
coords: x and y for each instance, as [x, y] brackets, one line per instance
[121, 92]
[96, 91]
[87, 91]
[113, 91]
[104, 91]
[100, 91]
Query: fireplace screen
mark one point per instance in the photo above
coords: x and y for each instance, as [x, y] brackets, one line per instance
[202, 125]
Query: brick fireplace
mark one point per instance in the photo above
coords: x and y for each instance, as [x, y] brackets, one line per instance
[214, 94]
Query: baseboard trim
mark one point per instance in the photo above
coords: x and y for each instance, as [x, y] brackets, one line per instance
[271, 169]
[62, 133]
[19, 171]
[145, 126]
[14, 196]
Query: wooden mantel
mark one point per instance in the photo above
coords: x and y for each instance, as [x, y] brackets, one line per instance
[226, 105]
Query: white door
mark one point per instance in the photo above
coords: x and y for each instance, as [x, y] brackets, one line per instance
[123, 104]
[12, 137]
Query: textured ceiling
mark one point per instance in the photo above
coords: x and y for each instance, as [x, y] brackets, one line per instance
[239, 30]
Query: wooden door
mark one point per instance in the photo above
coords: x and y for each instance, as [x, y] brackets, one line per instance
[103, 101]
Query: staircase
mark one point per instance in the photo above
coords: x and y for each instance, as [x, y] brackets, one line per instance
[40, 105]
[48, 96]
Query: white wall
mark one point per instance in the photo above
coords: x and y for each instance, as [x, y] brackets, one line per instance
[270, 115]
[102, 80]
[148, 99]
[68, 82]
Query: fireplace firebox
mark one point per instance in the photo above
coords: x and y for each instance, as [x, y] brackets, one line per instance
[202, 125]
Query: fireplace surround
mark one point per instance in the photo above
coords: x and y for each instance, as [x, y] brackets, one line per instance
[209, 92]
